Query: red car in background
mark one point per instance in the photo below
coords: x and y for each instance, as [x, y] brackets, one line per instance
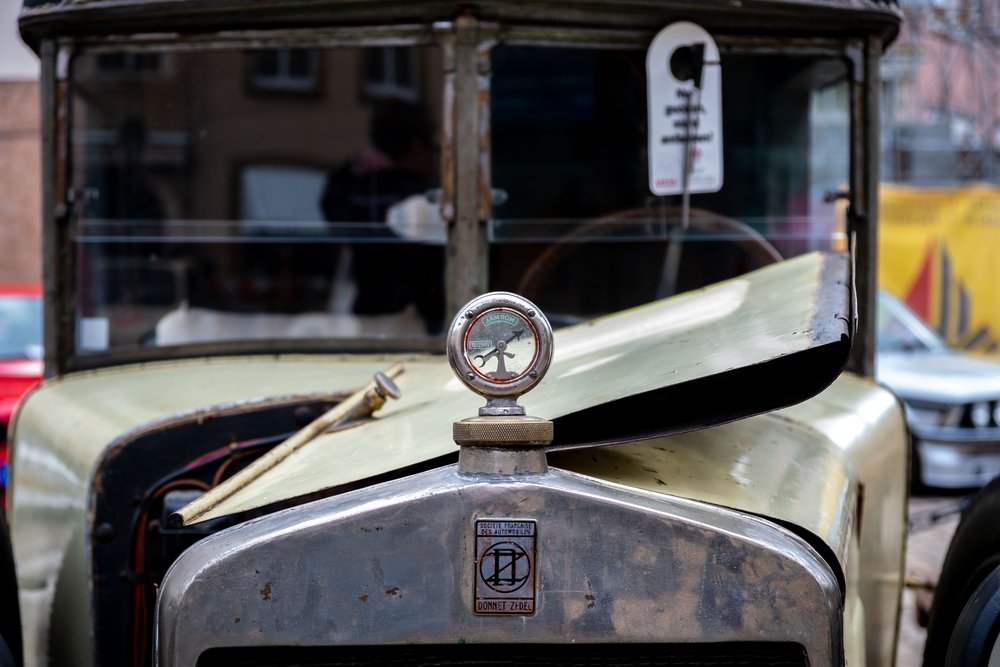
[20, 356]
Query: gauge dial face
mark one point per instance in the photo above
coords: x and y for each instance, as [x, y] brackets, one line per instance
[501, 345]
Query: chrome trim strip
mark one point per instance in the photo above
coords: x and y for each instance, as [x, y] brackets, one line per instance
[957, 435]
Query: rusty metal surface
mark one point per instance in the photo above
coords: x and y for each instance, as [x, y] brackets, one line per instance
[56, 249]
[368, 568]
[50, 246]
[866, 228]
[468, 245]
[449, 109]
[341, 36]
[118, 16]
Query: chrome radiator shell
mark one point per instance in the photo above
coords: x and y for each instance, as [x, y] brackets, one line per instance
[396, 564]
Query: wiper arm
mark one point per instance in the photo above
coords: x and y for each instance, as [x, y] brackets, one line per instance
[358, 405]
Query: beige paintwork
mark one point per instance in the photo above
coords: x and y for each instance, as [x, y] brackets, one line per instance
[801, 466]
[64, 426]
[771, 311]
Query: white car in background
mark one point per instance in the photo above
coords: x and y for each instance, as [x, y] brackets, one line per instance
[952, 400]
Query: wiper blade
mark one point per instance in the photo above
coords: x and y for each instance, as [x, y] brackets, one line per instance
[358, 405]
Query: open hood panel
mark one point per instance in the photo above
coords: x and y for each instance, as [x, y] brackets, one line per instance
[760, 342]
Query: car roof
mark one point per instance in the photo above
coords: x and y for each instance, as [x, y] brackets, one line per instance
[53, 18]
[21, 289]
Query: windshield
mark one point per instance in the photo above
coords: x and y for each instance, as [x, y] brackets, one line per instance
[227, 195]
[901, 330]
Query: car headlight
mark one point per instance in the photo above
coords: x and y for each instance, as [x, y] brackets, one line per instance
[979, 414]
[935, 414]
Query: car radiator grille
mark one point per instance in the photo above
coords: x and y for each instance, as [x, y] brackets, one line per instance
[515, 655]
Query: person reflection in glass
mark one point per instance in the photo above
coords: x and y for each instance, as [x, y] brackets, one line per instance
[129, 194]
[391, 271]
[131, 213]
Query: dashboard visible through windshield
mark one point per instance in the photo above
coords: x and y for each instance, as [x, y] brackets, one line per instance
[295, 193]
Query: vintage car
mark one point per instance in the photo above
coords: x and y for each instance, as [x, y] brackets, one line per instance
[952, 400]
[302, 259]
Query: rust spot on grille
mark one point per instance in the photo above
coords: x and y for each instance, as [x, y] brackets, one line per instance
[392, 591]
[266, 591]
[363, 598]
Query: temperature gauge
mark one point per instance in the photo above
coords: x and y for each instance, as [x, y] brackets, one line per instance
[500, 345]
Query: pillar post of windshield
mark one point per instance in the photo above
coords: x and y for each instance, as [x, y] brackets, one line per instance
[54, 100]
[467, 103]
[863, 217]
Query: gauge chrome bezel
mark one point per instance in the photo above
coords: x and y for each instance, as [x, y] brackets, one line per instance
[469, 315]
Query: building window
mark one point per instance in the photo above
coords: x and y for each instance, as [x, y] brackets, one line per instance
[278, 198]
[285, 70]
[130, 63]
[391, 71]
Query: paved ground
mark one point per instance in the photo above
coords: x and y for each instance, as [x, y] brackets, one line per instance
[932, 522]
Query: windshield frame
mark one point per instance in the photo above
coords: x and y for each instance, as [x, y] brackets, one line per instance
[466, 45]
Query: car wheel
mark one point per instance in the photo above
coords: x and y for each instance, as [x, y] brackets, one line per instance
[973, 553]
[975, 640]
[6, 657]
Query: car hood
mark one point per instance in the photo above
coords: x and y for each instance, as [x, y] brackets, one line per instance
[949, 377]
[673, 366]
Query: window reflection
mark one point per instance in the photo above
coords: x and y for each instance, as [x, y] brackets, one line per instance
[579, 231]
[207, 210]
[285, 70]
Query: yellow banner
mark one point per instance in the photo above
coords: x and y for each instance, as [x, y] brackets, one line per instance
[939, 249]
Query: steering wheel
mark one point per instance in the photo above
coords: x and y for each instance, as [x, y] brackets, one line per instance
[757, 248]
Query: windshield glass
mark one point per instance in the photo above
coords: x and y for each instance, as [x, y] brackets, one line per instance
[256, 194]
[226, 195]
[574, 225]
[901, 330]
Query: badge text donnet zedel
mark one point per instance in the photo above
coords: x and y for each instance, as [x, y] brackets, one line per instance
[505, 564]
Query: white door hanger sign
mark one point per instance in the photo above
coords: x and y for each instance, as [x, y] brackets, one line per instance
[684, 89]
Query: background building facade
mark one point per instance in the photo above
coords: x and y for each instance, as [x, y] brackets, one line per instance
[20, 155]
